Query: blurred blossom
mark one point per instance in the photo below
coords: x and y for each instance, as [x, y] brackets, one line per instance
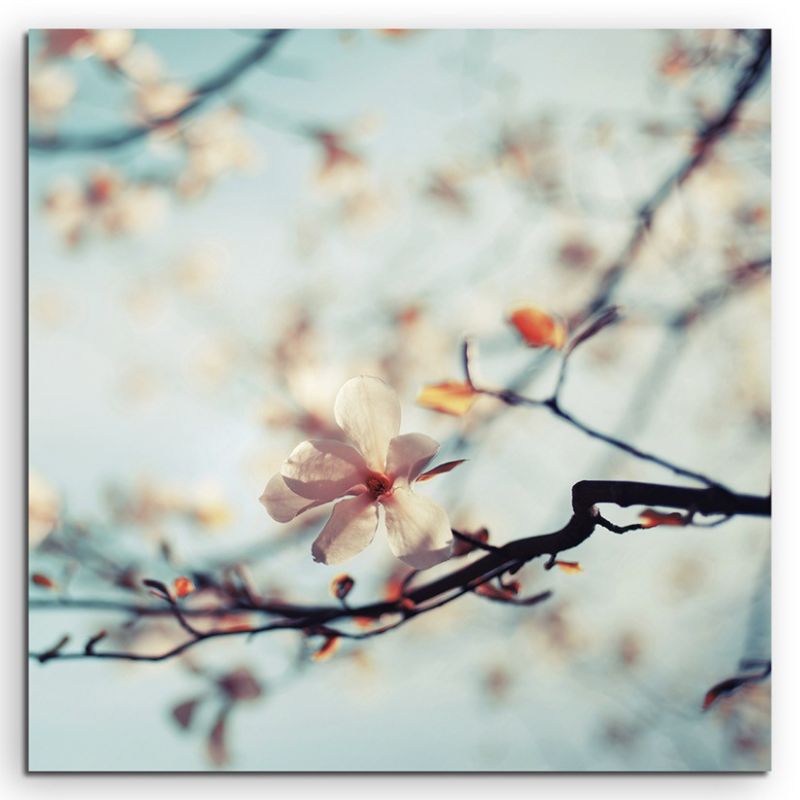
[66, 210]
[44, 508]
[446, 186]
[112, 45]
[156, 101]
[105, 202]
[67, 42]
[215, 146]
[138, 209]
[50, 90]
[49, 308]
[341, 170]
[200, 268]
[142, 64]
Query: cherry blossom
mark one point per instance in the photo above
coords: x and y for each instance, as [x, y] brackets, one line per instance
[376, 470]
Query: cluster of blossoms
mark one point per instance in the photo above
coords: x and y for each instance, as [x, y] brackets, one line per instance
[105, 201]
[375, 471]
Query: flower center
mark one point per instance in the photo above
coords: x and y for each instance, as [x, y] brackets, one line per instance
[377, 484]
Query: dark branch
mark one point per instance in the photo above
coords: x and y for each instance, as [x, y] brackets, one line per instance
[316, 620]
[201, 94]
[705, 140]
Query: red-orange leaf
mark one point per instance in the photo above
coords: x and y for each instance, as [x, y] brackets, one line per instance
[449, 397]
[183, 586]
[650, 518]
[441, 469]
[328, 648]
[42, 580]
[570, 567]
[537, 328]
[488, 590]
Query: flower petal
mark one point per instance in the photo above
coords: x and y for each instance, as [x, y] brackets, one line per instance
[368, 411]
[349, 530]
[323, 469]
[419, 530]
[282, 504]
[409, 454]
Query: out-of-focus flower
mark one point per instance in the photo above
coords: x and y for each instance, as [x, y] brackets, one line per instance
[61, 42]
[215, 145]
[44, 508]
[576, 253]
[142, 64]
[376, 472]
[162, 100]
[446, 187]
[342, 170]
[111, 45]
[66, 210]
[50, 91]
[107, 201]
[206, 505]
[140, 208]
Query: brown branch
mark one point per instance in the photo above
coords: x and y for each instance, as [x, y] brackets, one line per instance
[202, 93]
[316, 620]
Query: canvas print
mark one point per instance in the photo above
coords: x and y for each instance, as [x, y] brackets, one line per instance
[399, 400]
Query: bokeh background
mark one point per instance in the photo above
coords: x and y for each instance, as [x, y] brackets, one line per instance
[358, 202]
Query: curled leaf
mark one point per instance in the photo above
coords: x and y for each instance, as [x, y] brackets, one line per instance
[341, 586]
[650, 518]
[570, 567]
[537, 328]
[327, 649]
[449, 397]
[440, 470]
[593, 326]
[494, 593]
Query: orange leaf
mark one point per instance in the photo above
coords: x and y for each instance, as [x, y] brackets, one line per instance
[450, 397]
[537, 328]
[487, 590]
[341, 586]
[440, 470]
[649, 518]
[327, 650]
[42, 580]
[570, 567]
[183, 586]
